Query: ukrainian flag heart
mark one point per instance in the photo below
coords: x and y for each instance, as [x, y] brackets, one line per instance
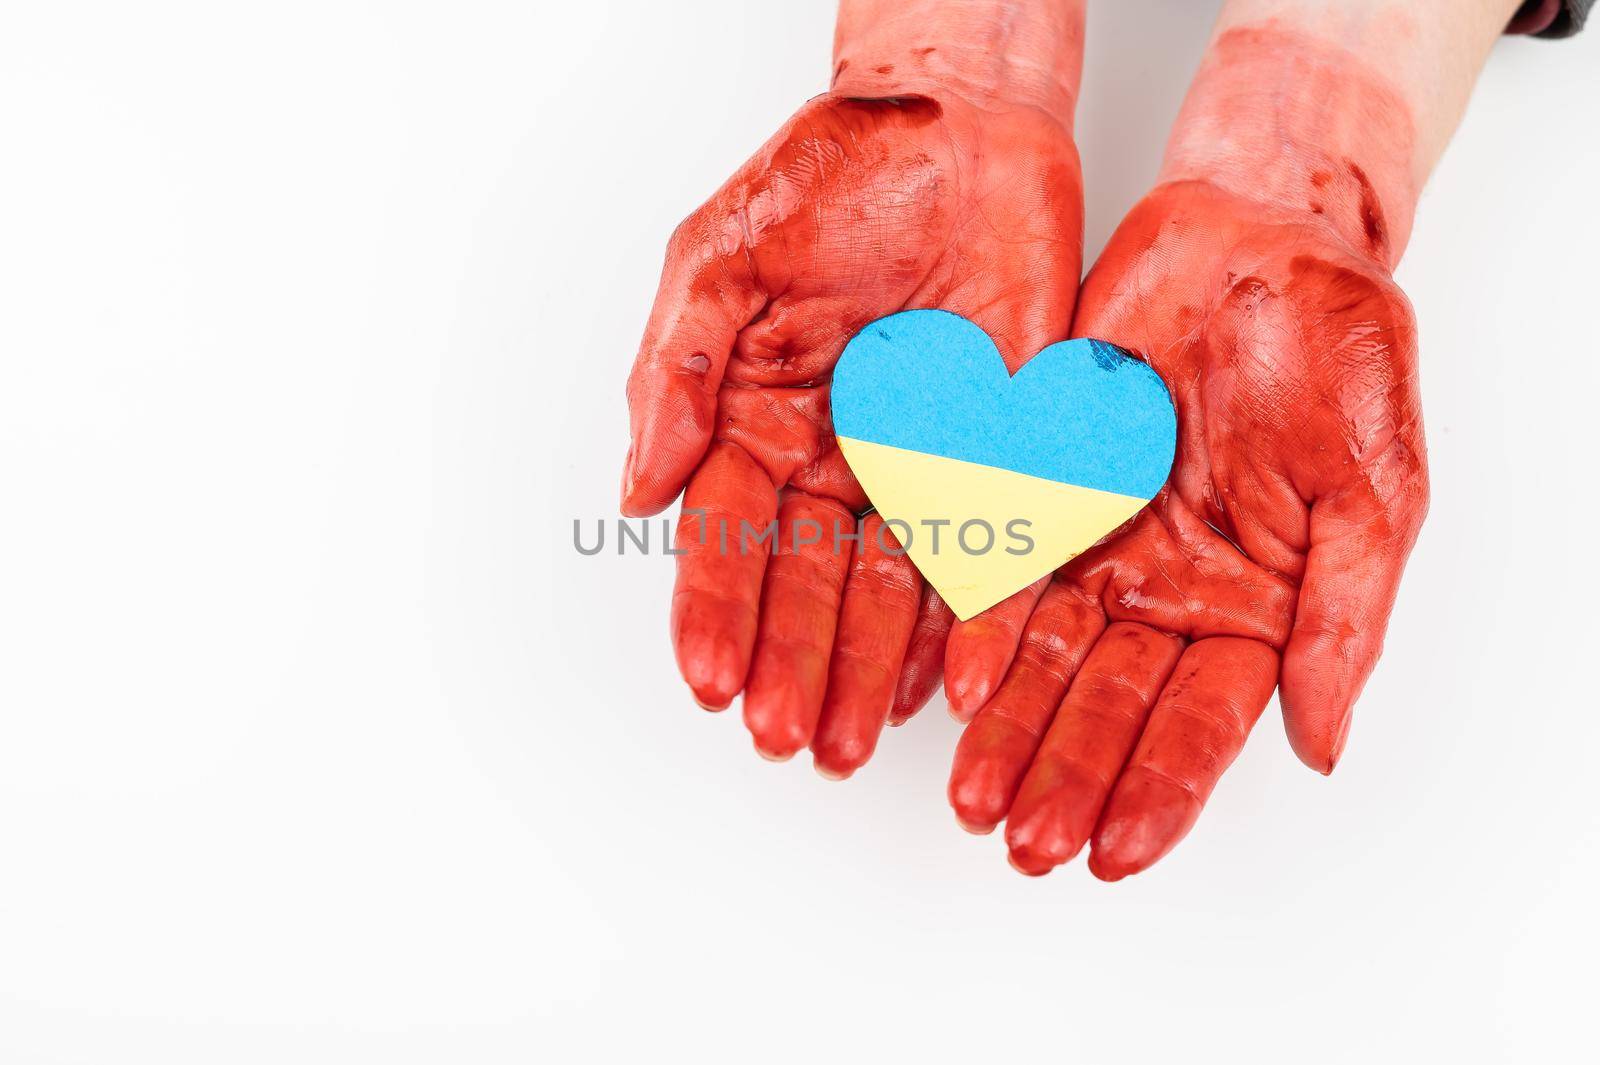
[990, 481]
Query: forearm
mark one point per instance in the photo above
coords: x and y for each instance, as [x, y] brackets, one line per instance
[993, 52]
[1342, 109]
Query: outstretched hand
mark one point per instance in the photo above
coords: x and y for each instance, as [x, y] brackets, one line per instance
[1274, 557]
[855, 209]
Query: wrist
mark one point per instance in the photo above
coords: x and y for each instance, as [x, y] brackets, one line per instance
[1361, 95]
[992, 53]
[1297, 124]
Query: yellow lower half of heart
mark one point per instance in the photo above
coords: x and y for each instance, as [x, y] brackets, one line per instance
[950, 507]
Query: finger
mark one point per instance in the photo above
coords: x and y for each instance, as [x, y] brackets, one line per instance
[1197, 729]
[706, 295]
[923, 666]
[881, 598]
[995, 749]
[981, 650]
[729, 504]
[1088, 742]
[1358, 551]
[799, 614]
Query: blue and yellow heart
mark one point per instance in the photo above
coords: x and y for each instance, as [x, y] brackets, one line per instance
[993, 480]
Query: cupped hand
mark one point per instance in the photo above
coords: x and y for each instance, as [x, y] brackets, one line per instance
[857, 208]
[1273, 558]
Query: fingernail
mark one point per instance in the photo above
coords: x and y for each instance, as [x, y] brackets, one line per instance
[979, 792]
[969, 689]
[831, 774]
[1027, 864]
[1105, 870]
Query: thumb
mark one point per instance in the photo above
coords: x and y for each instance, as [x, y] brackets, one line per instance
[705, 298]
[1359, 546]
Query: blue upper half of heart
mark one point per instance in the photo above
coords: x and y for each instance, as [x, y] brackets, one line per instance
[1082, 412]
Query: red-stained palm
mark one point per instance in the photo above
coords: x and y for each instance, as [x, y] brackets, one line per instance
[856, 209]
[1297, 492]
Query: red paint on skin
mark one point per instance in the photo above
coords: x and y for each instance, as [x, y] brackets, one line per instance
[1371, 214]
[879, 612]
[1090, 737]
[1167, 571]
[1298, 489]
[1345, 138]
[1008, 53]
[980, 650]
[856, 209]
[923, 665]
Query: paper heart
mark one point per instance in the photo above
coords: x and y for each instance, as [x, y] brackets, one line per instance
[991, 480]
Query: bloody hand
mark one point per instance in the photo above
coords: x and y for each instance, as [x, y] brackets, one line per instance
[1297, 492]
[865, 203]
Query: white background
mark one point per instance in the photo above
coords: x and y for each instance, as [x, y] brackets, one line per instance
[319, 743]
